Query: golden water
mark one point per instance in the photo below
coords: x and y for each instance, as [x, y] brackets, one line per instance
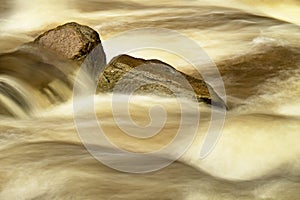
[257, 155]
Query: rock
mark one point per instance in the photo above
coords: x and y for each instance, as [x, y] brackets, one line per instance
[40, 73]
[153, 77]
[74, 41]
[71, 40]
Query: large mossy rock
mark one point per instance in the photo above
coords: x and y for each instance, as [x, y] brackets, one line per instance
[72, 40]
[153, 77]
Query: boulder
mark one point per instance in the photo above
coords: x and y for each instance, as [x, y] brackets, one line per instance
[153, 77]
[72, 40]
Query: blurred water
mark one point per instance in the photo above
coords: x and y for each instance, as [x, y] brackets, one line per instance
[255, 45]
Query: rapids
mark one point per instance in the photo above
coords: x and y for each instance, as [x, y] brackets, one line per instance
[256, 47]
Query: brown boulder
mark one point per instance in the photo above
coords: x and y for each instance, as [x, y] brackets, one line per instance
[71, 40]
[162, 80]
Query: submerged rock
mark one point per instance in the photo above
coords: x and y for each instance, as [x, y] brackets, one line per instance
[153, 77]
[71, 40]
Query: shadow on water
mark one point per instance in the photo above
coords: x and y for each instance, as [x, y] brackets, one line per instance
[33, 78]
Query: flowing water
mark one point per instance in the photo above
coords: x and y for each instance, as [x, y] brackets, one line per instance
[255, 45]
